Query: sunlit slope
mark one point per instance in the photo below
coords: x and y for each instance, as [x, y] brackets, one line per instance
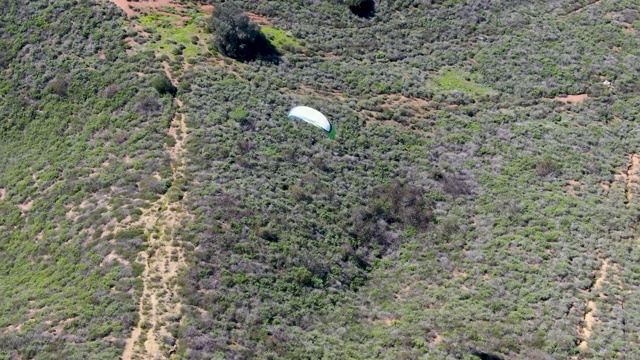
[467, 206]
[81, 133]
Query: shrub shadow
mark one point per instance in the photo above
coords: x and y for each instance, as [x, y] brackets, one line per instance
[366, 9]
[261, 49]
[266, 51]
[486, 356]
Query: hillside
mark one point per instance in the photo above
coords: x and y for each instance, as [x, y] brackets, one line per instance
[480, 197]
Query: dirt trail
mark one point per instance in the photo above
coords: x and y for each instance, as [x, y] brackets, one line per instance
[580, 9]
[159, 309]
[131, 7]
[590, 317]
[633, 176]
[630, 178]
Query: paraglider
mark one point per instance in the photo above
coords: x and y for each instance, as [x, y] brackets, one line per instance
[313, 117]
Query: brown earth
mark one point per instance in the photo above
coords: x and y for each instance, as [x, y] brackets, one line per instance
[630, 178]
[24, 207]
[572, 99]
[590, 317]
[258, 19]
[131, 7]
[580, 9]
[113, 256]
[572, 185]
[124, 5]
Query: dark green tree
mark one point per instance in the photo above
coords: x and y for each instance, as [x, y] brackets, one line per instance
[235, 35]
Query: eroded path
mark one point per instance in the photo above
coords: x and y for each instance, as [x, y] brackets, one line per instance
[626, 187]
[159, 310]
[590, 315]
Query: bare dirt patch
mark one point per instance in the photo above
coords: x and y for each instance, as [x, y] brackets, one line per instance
[207, 9]
[603, 275]
[124, 5]
[130, 41]
[572, 185]
[258, 18]
[459, 274]
[437, 339]
[156, 4]
[113, 256]
[169, 7]
[589, 320]
[133, 7]
[389, 321]
[572, 99]
[628, 28]
[3, 194]
[24, 207]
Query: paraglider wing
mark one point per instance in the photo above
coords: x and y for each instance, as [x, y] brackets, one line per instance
[313, 117]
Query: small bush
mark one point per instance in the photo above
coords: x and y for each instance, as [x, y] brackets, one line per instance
[455, 185]
[148, 104]
[547, 166]
[59, 86]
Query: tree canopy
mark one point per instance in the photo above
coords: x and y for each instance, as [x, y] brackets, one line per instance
[235, 35]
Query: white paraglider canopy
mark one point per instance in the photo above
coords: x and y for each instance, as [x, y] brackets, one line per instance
[313, 117]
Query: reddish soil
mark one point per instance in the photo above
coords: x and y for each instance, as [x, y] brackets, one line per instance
[124, 5]
[130, 7]
[258, 18]
[207, 8]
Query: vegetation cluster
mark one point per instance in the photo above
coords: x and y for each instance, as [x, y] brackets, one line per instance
[465, 209]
